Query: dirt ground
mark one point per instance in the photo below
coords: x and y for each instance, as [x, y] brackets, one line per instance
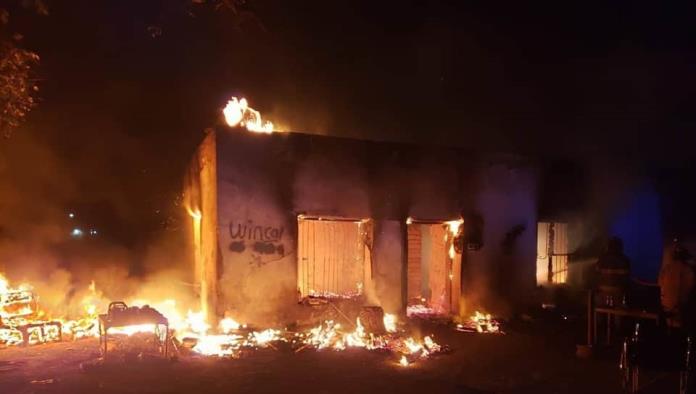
[529, 359]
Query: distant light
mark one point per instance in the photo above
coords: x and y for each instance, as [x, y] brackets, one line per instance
[71, 215]
[76, 232]
[92, 232]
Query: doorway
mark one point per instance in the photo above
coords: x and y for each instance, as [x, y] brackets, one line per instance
[433, 266]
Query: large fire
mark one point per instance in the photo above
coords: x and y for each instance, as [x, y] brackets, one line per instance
[237, 112]
[454, 227]
[23, 322]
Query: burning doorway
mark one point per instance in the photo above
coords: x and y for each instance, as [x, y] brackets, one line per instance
[333, 258]
[433, 267]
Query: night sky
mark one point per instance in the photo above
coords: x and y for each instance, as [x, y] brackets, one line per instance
[128, 86]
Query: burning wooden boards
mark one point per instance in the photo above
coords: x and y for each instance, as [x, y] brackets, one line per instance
[18, 322]
[373, 330]
[482, 323]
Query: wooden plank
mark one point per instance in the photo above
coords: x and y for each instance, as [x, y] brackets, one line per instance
[439, 272]
[330, 261]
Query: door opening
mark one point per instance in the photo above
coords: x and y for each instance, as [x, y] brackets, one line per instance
[433, 267]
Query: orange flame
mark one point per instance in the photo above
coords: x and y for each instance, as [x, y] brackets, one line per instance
[22, 321]
[454, 228]
[237, 112]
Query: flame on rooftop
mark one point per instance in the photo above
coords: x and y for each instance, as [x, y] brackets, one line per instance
[238, 113]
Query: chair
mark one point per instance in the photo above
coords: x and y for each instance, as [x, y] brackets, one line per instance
[660, 349]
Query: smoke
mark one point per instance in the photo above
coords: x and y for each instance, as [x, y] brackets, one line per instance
[606, 188]
[38, 246]
[294, 116]
[603, 196]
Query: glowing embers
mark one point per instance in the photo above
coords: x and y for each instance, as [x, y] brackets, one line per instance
[331, 335]
[425, 311]
[238, 113]
[229, 340]
[231, 344]
[481, 323]
[227, 345]
[346, 295]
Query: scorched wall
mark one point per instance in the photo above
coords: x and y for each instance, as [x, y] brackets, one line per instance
[264, 181]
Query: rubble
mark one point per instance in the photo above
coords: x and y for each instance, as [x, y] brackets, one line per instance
[480, 323]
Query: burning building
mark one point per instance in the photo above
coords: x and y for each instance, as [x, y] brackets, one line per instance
[277, 218]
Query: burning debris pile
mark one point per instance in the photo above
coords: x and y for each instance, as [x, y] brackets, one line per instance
[481, 323]
[331, 335]
[23, 322]
[139, 330]
[162, 330]
[234, 339]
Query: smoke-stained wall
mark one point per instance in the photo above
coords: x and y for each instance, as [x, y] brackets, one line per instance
[503, 270]
[330, 183]
[256, 228]
[265, 181]
[389, 267]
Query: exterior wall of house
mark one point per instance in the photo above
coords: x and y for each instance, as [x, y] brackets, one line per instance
[502, 273]
[257, 228]
[265, 181]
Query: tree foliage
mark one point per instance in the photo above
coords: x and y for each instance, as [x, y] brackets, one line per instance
[17, 87]
[17, 65]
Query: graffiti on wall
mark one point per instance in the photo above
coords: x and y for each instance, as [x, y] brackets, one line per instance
[260, 240]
